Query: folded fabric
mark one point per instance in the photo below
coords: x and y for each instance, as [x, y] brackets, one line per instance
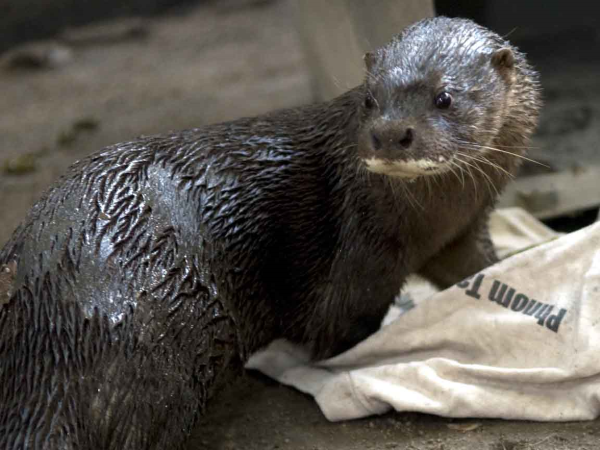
[520, 340]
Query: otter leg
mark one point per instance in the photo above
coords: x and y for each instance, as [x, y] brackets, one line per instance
[467, 255]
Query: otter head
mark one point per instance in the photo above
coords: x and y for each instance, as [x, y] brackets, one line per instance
[444, 93]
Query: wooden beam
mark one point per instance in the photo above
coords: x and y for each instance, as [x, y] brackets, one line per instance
[337, 33]
[551, 195]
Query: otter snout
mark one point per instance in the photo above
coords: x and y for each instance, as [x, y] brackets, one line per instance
[390, 140]
[396, 148]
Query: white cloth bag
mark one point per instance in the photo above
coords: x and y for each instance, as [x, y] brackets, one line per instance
[520, 340]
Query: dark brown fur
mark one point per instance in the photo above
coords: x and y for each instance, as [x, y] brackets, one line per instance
[152, 268]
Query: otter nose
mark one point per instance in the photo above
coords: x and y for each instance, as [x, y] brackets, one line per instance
[392, 138]
[407, 140]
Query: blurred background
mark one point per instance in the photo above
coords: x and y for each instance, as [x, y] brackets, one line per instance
[77, 75]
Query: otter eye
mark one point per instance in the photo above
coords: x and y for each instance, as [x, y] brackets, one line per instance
[443, 100]
[369, 101]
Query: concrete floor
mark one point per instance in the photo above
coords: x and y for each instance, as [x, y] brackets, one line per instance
[211, 64]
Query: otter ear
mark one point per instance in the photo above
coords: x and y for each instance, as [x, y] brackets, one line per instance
[369, 60]
[504, 62]
[503, 58]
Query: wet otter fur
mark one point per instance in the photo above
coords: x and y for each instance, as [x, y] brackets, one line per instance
[150, 270]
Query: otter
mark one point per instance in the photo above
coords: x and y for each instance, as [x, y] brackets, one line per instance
[150, 271]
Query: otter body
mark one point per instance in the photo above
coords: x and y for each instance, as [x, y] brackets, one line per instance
[151, 270]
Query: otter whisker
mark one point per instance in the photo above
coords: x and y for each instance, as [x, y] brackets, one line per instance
[454, 172]
[487, 147]
[488, 181]
[469, 171]
[523, 147]
[339, 85]
[488, 162]
[393, 189]
[366, 176]
[437, 179]
[412, 196]
[374, 77]
[461, 170]
[428, 184]
[360, 175]
[510, 32]
[493, 135]
[409, 198]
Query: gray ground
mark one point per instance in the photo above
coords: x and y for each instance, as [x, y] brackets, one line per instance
[211, 65]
